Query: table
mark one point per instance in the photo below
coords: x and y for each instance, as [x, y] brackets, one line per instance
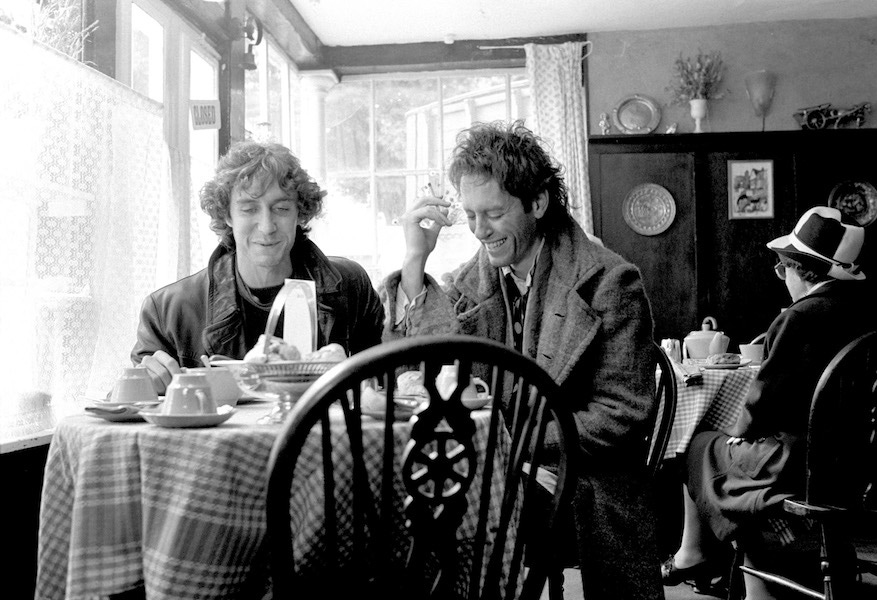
[180, 512]
[715, 402]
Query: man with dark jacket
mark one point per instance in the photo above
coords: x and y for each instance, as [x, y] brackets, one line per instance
[260, 202]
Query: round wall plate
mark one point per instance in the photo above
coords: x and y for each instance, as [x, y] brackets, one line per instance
[648, 209]
[636, 114]
[855, 199]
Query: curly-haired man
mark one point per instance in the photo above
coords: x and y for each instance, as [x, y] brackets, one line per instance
[539, 283]
[260, 203]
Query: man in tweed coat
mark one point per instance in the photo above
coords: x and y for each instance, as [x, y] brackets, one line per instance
[538, 283]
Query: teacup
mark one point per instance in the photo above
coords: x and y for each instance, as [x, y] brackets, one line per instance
[753, 352]
[475, 395]
[188, 394]
[223, 386]
[133, 385]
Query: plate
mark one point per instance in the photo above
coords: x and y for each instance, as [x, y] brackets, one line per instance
[636, 115]
[856, 199]
[178, 421]
[742, 363]
[648, 209]
[402, 414]
[248, 397]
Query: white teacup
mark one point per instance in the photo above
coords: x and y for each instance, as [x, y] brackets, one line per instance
[133, 385]
[753, 352]
[188, 394]
[223, 386]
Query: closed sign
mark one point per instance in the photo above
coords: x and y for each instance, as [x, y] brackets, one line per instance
[205, 114]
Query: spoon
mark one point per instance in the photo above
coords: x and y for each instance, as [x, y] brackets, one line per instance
[206, 361]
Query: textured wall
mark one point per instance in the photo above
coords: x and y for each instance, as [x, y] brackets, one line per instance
[815, 62]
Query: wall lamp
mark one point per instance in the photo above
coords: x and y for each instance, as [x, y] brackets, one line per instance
[760, 86]
[252, 32]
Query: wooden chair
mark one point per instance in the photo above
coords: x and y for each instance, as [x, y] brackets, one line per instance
[658, 438]
[840, 494]
[390, 521]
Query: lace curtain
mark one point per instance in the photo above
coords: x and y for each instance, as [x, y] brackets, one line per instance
[91, 228]
[555, 74]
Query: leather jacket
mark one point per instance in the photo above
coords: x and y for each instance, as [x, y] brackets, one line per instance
[202, 313]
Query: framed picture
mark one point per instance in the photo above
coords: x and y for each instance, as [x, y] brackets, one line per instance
[750, 189]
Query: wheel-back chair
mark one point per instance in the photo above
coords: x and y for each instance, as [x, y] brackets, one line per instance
[438, 518]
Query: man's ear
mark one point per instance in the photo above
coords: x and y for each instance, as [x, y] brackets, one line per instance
[540, 204]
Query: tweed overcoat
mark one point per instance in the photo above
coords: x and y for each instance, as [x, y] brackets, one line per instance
[588, 324]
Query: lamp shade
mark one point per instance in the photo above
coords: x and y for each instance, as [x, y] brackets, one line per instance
[760, 88]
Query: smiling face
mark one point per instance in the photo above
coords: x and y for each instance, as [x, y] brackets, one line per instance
[499, 221]
[264, 229]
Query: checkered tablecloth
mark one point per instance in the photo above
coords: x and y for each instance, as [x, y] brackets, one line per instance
[178, 511]
[712, 400]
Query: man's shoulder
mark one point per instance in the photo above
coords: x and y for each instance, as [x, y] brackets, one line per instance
[189, 287]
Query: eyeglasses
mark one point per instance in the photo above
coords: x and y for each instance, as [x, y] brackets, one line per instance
[780, 270]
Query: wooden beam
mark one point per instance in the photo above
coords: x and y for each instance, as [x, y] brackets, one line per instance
[290, 31]
[433, 56]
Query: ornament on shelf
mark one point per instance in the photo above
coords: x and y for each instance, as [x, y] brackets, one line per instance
[605, 127]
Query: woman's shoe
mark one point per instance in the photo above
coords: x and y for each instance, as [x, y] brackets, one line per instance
[699, 574]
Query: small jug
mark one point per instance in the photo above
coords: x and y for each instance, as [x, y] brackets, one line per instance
[188, 394]
[447, 381]
[673, 348]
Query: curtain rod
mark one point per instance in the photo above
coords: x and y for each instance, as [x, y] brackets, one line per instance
[587, 43]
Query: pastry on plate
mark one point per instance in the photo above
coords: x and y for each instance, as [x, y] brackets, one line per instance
[725, 358]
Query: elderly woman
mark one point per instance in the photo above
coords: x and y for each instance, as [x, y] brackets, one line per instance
[260, 202]
[733, 479]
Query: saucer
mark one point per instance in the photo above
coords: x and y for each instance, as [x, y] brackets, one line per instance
[178, 421]
[116, 415]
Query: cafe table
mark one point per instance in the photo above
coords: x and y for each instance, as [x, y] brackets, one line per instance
[706, 398]
[178, 512]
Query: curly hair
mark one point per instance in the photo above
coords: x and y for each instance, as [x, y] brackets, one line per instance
[254, 166]
[513, 156]
[812, 271]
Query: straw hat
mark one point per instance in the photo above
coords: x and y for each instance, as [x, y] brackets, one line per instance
[822, 238]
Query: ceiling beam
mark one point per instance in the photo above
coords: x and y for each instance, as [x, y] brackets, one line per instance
[432, 56]
[290, 31]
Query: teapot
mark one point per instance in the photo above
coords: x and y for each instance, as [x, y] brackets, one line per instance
[707, 341]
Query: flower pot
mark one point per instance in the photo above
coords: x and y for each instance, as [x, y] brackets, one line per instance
[698, 112]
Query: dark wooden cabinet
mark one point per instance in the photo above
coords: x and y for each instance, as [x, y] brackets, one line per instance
[705, 263]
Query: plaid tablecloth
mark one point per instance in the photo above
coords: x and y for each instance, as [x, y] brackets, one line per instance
[713, 400]
[178, 511]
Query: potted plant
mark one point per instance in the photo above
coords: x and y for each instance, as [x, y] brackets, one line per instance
[696, 80]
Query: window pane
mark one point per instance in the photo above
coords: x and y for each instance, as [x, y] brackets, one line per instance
[255, 97]
[347, 127]
[347, 225]
[276, 66]
[406, 124]
[203, 152]
[147, 54]
[521, 98]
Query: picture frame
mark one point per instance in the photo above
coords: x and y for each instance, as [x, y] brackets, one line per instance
[750, 189]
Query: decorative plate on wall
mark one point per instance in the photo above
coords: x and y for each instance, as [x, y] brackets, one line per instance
[856, 199]
[648, 209]
[636, 114]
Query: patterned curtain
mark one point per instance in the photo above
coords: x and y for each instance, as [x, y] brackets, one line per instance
[555, 73]
[91, 229]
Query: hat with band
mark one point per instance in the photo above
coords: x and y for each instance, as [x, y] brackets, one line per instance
[821, 237]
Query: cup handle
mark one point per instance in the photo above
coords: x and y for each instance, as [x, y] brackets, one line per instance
[480, 383]
[205, 401]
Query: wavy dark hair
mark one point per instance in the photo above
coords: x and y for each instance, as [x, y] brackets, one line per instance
[513, 156]
[811, 271]
[254, 166]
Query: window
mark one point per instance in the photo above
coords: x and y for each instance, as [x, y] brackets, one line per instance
[270, 90]
[386, 137]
